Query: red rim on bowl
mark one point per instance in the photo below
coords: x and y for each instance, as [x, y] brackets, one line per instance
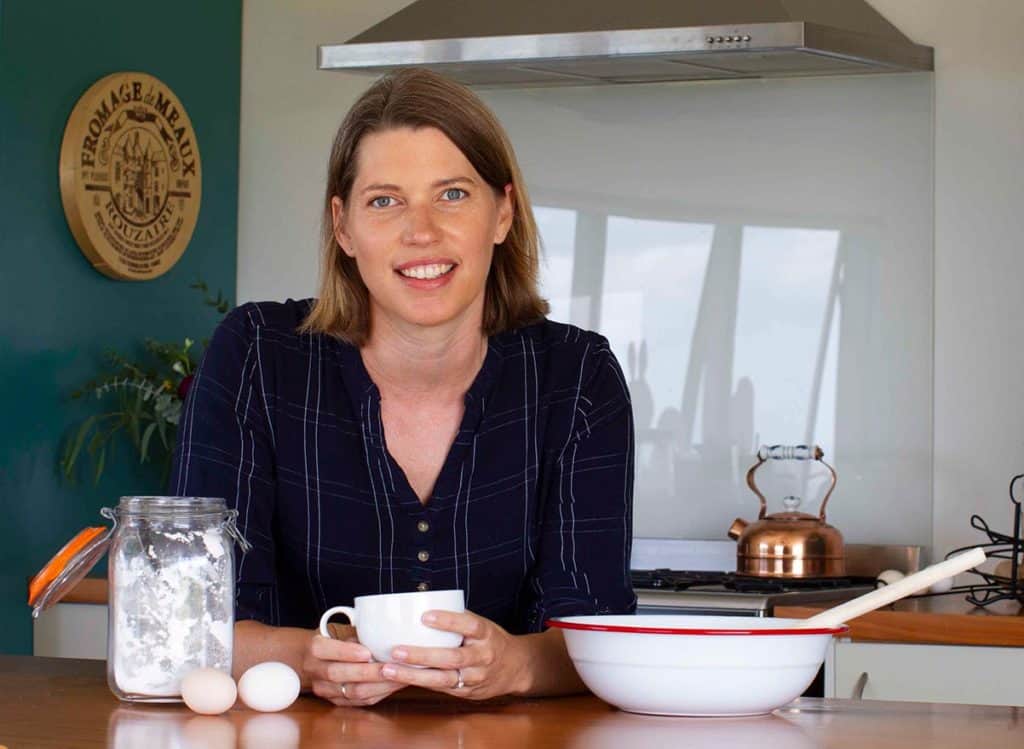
[841, 629]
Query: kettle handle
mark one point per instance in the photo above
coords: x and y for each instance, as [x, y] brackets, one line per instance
[789, 452]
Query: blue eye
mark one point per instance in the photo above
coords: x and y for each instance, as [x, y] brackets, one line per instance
[380, 201]
[454, 193]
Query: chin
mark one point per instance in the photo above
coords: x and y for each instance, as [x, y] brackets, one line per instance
[426, 316]
[429, 316]
[431, 321]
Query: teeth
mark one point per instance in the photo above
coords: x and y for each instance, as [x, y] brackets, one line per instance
[426, 271]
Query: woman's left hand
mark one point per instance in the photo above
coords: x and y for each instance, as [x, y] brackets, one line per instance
[490, 662]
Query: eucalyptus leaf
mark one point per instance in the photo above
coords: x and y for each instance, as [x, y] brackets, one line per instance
[146, 437]
[101, 461]
[75, 445]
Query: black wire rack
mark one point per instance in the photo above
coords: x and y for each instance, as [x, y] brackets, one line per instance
[1000, 546]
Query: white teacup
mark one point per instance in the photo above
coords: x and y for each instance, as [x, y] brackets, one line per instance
[383, 622]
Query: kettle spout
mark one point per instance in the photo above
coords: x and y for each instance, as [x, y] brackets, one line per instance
[737, 528]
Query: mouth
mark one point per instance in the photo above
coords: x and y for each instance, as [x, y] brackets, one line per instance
[426, 272]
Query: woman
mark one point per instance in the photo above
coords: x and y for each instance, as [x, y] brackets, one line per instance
[420, 425]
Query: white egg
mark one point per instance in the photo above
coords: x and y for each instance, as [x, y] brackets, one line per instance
[269, 687]
[888, 577]
[208, 691]
[942, 586]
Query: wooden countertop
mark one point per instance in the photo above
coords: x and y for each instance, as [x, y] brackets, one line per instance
[88, 590]
[935, 620]
[51, 702]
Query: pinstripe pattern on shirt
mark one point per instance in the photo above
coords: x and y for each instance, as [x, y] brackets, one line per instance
[531, 513]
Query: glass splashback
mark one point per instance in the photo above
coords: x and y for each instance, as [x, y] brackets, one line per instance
[759, 255]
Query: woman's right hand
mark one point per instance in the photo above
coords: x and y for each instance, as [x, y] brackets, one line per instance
[343, 672]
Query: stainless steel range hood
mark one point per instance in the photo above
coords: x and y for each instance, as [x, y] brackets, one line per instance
[588, 42]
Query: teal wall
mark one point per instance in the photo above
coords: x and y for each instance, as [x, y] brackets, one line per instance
[58, 314]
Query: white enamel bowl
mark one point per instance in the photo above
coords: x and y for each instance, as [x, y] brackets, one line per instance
[695, 665]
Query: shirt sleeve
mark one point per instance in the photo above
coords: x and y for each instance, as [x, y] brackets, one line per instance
[225, 448]
[582, 565]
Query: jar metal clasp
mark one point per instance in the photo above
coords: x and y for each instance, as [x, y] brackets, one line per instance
[231, 528]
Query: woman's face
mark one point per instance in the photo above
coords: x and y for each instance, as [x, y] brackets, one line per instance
[421, 224]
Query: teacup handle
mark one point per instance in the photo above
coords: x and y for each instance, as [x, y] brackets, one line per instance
[346, 610]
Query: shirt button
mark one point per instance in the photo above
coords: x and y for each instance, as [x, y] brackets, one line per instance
[423, 556]
[423, 586]
[423, 526]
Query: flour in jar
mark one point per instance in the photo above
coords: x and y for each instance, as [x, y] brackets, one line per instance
[172, 608]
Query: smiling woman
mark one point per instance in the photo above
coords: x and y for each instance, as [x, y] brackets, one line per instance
[419, 426]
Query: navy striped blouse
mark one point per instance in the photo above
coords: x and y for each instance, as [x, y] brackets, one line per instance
[531, 514]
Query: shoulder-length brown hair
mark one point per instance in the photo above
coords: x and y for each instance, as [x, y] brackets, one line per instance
[415, 97]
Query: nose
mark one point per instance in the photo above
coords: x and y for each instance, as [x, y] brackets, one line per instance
[420, 226]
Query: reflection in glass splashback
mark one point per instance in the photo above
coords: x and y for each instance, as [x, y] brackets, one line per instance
[786, 305]
[557, 228]
[759, 255]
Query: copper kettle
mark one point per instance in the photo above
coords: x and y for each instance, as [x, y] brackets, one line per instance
[790, 543]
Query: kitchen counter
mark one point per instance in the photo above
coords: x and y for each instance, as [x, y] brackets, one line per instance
[88, 590]
[50, 702]
[935, 620]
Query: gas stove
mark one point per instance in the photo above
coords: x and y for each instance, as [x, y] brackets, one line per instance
[664, 591]
[698, 577]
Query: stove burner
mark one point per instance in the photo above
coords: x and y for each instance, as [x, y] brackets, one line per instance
[665, 579]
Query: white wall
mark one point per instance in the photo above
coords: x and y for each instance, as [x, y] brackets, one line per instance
[290, 111]
[979, 254]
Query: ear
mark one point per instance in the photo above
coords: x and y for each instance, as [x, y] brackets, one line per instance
[506, 211]
[338, 223]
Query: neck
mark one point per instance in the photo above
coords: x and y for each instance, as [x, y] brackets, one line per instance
[424, 363]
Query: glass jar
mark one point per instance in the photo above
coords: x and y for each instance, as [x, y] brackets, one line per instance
[171, 593]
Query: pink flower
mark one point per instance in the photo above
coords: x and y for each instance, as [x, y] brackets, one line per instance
[183, 386]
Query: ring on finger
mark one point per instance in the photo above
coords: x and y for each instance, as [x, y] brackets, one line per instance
[459, 683]
[344, 693]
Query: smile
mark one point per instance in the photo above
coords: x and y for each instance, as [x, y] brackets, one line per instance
[427, 272]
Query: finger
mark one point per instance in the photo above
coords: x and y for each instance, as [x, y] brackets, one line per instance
[343, 673]
[341, 670]
[464, 623]
[328, 649]
[446, 658]
[354, 691]
[430, 678]
[367, 693]
[328, 690]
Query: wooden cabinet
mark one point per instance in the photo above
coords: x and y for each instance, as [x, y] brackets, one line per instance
[968, 674]
[71, 630]
[931, 649]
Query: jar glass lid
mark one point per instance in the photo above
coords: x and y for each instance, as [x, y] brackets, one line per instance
[67, 567]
